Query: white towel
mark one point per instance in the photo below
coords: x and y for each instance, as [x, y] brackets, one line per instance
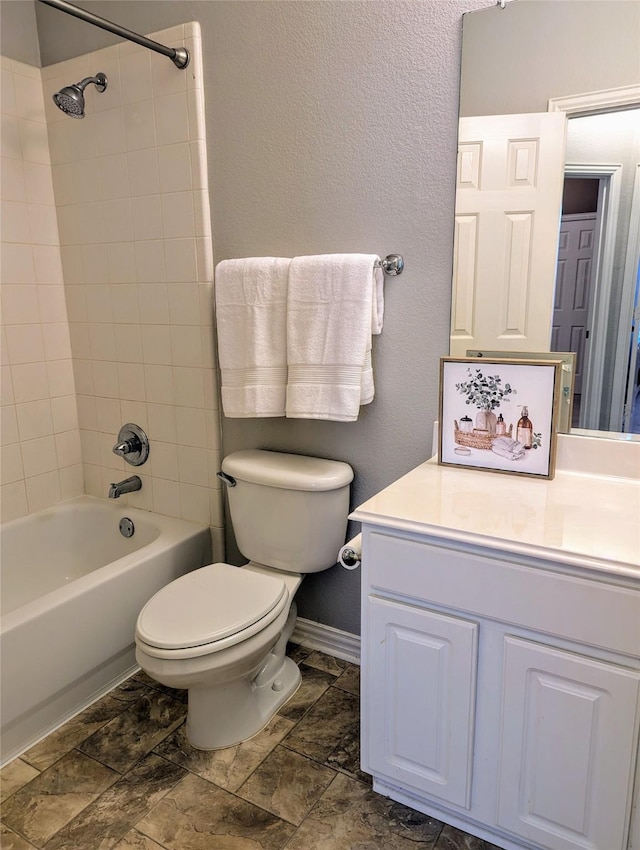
[506, 447]
[251, 319]
[335, 304]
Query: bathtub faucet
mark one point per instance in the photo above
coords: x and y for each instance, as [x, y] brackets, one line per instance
[129, 485]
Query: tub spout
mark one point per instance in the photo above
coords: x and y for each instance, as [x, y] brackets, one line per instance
[129, 485]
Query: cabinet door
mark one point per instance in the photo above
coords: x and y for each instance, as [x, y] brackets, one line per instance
[567, 748]
[422, 670]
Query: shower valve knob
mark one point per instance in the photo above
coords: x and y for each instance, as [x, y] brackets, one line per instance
[132, 445]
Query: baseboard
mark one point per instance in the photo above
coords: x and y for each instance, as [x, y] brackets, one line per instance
[334, 642]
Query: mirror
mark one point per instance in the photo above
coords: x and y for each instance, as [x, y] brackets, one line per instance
[555, 86]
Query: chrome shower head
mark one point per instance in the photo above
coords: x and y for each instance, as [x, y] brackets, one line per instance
[70, 99]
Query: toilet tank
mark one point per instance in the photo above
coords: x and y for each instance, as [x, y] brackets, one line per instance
[288, 511]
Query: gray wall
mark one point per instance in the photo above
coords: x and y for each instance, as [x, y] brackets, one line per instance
[331, 126]
[577, 46]
[18, 33]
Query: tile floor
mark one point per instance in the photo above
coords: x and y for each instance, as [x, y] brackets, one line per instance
[121, 775]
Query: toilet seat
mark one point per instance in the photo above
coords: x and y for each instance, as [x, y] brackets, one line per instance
[209, 609]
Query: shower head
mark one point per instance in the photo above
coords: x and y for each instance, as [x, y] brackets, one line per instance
[70, 99]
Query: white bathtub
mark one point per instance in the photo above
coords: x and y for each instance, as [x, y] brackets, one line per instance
[72, 587]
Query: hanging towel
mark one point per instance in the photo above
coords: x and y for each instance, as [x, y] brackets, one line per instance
[335, 304]
[251, 320]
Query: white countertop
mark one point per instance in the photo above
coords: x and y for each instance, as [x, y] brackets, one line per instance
[582, 520]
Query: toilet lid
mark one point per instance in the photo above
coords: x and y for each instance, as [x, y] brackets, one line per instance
[207, 605]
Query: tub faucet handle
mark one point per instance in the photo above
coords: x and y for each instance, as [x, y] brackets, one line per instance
[132, 445]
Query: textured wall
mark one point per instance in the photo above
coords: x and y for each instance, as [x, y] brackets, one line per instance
[516, 58]
[18, 33]
[331, 126]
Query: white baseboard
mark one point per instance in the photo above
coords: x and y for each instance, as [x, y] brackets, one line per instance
[334, 642]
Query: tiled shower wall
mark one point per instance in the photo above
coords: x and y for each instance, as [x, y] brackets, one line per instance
[130, 185]
[41, 462]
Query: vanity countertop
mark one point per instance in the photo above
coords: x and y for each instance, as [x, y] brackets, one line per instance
[581, 520]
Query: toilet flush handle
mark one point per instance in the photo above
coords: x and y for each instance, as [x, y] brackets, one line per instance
[228, 479]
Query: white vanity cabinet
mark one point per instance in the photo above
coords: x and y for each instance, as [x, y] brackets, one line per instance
[500, 680]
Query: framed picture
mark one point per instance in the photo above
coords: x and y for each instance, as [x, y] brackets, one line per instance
[568, 359]
[499, 415]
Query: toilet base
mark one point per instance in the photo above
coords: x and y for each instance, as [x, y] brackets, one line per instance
[247, 707]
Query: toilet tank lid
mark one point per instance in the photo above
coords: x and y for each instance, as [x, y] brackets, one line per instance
[287, 471]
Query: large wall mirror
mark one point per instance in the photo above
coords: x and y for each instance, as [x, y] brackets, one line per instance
[547, 236]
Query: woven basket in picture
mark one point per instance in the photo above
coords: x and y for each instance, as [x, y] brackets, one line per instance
[476, 439]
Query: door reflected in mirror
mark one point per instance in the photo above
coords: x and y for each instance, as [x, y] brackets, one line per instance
[549, 102]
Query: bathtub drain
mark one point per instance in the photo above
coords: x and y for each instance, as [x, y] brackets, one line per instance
[126, 527]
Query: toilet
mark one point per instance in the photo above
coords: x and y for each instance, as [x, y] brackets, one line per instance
[221, 631]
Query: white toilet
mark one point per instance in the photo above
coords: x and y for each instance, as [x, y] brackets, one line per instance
[222, 631]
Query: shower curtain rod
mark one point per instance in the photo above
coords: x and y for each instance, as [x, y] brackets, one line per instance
[178, 55]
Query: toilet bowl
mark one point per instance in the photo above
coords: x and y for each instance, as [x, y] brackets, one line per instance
[221, 631]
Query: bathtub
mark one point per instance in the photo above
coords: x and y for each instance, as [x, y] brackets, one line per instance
[72, 587]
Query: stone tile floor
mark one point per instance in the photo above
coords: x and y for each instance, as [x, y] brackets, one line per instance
[121, 775]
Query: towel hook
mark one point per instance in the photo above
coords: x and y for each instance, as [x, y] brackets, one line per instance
[393, 264]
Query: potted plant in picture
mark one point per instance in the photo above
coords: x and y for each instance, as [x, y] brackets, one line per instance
[486, 393]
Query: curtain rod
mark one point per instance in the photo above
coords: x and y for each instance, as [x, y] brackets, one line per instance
[178, 55]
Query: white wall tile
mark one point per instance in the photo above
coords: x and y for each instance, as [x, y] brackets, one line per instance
[185, 345]
[153, 300]
[184, 303]
[31, 382]
[150, 261]
[131, 381]
[9, 425]
[135, 77]
[25, 344]
[12, 180]
[122, 264]
[174, 162]
[61, 380]
[43, 491]
[139, 125]
[109, 124]
[178, 217]
[147, 217]
[43, 224]
[6, 386]
[52, 303]
[11, 468]
[113, 175]
[159, 384]
[14, 222]
[39, 456]
[165, 460]
[34, 419]
[166, 497]
[57, 341]
[39, 183]
[13, 501]
[20, 304]
[68, 448]
[144, 176]
[172, 118]
[16, 264]
[47, 261]
[64, 411]
[71, 481]
[180, 259]
[128, 343]
[156, 344]
[189, 386]
[194, 503]
[117, 220]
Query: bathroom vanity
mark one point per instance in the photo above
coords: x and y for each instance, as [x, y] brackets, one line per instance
[501, 648]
